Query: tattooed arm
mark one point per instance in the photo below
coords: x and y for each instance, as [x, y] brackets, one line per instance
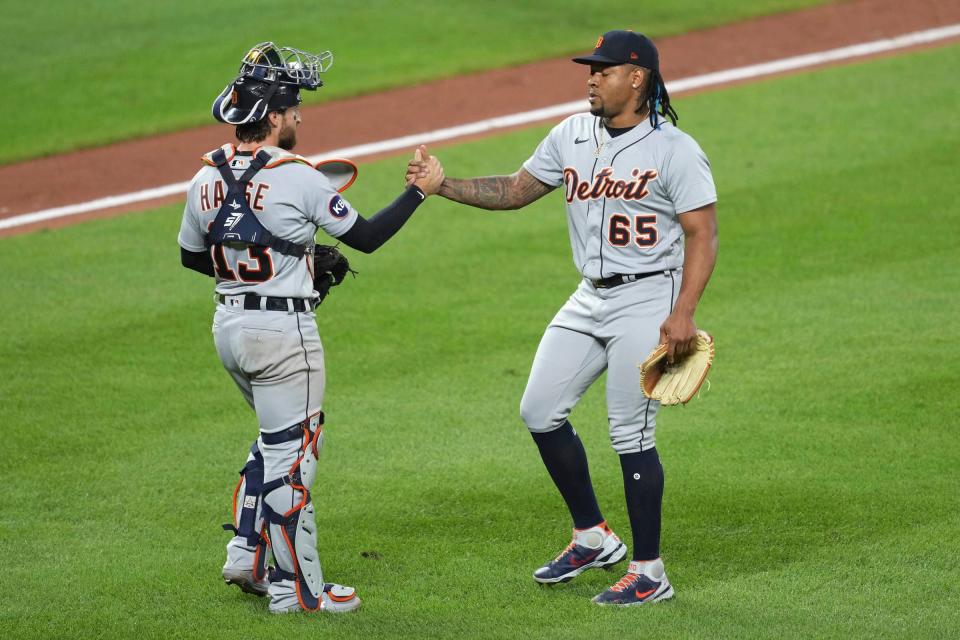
[491, 192]
[495, 192]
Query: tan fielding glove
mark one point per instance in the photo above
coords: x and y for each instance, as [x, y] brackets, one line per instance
[678, 382]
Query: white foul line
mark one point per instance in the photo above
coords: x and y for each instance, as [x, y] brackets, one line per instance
[525, 117]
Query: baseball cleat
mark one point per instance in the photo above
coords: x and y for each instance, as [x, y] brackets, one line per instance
[638, 587]
[244, 579]
[591, 548]
[336, 598]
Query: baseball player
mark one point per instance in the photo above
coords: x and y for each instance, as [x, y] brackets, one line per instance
[641, 210]
[250, 219]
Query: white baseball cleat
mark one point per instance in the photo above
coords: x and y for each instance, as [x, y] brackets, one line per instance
[336, 598]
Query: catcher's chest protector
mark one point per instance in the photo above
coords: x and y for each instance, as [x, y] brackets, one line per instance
[235, 221]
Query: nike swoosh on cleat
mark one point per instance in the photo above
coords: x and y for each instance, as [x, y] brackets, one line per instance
[644, 594]
[579, 562]
[579, 141]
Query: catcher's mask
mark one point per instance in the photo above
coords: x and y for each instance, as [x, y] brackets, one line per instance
[270, 79]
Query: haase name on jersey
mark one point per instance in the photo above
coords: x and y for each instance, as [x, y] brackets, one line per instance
[603, 187]
[258, 189]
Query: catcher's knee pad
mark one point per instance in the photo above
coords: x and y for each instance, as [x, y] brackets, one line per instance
[248, 521]
[289, 511]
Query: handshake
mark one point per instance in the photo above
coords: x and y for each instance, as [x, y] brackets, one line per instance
[424, 171]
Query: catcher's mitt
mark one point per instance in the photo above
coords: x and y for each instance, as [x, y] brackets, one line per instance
[330, 267]
[678, 382]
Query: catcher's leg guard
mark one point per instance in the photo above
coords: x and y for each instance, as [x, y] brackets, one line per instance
[247, 551]
[292, 455]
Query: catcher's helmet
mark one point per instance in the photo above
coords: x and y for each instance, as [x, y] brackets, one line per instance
[270, 78]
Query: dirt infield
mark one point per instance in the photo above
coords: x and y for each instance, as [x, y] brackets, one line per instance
[145, 163]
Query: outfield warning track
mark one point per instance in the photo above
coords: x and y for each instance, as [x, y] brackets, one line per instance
[57, 215]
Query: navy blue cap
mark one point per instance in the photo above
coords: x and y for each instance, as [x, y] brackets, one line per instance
[623, 47]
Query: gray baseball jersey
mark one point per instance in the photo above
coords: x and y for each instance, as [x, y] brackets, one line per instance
[291, 199]
[625, 194]
[624, 198]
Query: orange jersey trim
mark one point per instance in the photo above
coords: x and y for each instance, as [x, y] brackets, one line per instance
[351, 163]
[228, 149]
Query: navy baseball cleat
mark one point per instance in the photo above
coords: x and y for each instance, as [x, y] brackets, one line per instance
[638, 587]
[590, 548]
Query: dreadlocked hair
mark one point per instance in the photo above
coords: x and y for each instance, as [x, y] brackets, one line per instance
[658, 100]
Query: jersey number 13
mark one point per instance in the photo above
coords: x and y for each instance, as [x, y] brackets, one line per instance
[259, 267]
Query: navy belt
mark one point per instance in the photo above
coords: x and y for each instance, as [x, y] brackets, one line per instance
[251, 302]
[277, 437]
[621, 278]
[290, 433]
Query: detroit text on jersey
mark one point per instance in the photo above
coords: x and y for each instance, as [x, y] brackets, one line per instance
[603, 187]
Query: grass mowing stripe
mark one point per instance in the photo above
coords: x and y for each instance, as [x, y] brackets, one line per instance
[814, 477]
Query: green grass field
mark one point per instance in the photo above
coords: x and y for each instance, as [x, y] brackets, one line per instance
[89, 73]
[811, 492]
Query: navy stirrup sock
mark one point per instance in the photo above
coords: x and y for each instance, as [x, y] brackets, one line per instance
[566, 460]
[643, 487]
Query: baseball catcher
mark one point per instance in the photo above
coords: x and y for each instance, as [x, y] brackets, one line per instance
[250, 221]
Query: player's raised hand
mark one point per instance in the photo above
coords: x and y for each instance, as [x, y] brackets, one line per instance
[417, 166]
[431, 182]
